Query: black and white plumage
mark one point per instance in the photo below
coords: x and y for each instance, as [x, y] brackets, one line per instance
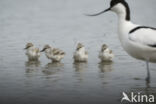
[138, 41]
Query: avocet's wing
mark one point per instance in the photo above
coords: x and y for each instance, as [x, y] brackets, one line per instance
[144, 35]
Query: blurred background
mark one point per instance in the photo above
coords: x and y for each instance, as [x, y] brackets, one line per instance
[62, 24]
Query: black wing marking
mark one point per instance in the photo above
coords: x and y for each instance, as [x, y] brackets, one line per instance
[141, 27]
[154, 45]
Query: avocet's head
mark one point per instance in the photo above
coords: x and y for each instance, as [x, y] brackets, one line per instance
[45, 48]
[28, 45]
[104, 47]
[120, 7]
[80, 45]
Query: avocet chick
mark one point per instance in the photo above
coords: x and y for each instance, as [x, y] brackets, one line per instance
[54, 54]
[32, 52]
[80, 55]
[106, 54]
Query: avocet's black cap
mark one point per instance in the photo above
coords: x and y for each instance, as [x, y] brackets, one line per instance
[114, 2]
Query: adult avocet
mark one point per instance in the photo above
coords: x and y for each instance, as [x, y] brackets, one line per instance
[137, 40]
[32, 52]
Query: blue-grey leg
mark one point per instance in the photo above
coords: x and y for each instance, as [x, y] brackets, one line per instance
[148, 72]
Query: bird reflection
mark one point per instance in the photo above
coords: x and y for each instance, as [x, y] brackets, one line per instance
[32, 66]
[53, 68]
[80, 66]
[105, 67]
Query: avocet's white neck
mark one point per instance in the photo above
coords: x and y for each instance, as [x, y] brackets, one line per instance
[121, 18]
[124, 27]
[124, 23]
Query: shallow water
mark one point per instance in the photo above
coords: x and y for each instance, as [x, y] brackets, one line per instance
[62, 24]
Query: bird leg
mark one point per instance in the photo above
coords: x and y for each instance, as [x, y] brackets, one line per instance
[148, 72]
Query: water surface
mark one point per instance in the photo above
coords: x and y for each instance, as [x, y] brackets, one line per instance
[62, 24]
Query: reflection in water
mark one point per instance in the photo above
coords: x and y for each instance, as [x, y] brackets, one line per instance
[32, 66]
[79, 69]
[105, 67]
[52, 68]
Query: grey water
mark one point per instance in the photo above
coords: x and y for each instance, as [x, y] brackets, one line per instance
[62, 24]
